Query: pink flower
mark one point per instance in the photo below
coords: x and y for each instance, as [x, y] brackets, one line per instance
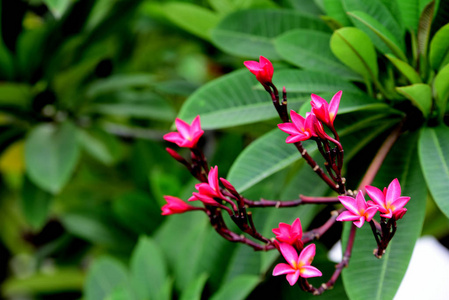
[187, 135]
[175, 206]
[299, 129]
[297, 266]
[208, 192]
[326, 112]
[389, 202]
[357, 210]
[263, 69]
[290, 234]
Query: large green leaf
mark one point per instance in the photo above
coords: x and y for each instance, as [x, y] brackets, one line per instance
[434, 158]
[334, 9]
[238, 288]
[51, 155]
[441, 89]
[310, 49]
[385, 12]
[420, 94]
[58, 7]
[237, 98]
[35, 204]
[383, 39]
[355, 49]
[148, 269]
[193, 18]
[104, 276]
[410, 12]
[195, 289]
[408, 71]
[368, 277]
[439, 48]
[250, 33]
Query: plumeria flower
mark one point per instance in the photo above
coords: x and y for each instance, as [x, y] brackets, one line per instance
[290, 234]
[299, 129]
[389, 202]
[357, 210]
[262, 69]
[187, 135]
[175, 206]
[297, 266]
[208, 192]
[326, 112]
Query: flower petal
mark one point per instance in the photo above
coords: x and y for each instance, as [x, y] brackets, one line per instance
[309, 271]
[282, 268]
[297, 119]
[350, 204]
[293, 278]
[183, 128]
[289, 253]
[348, 216]
[370, 212]
[393, 191]
[376, 195]
[297, 228]
[288, 128]
[360, 222]
[307, 254]
[333, 106]
[400, 202]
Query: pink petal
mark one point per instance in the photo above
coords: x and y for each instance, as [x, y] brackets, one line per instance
[333, 106]
[347, 216]
[267, 66]
[350, 204]
[297, 228]
[361, 203]
[309, 271]
[393, 191]
[376, 195]
[174, 137]
[388, 214]
[282, 268]
[297, 138]
[196, 124]
[183, 128]
[297, 119]
[398, 214]
[289, 253]
[288, 128]
[213, 179]
[370, 212]
[360, 222]
[293, 278]
[317, 101]
[253, 66]
[307, 254]
[400, 202]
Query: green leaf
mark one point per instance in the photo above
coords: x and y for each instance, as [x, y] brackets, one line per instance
[251, 33]
[239, 288]
[148, 269]
[101, 145]
[118, 83]
[408, 71]
[424, 26]
[441, 89]
[310, 49]
[192, 18]
[439, 48]
[334, 9]
[194, 289]
[237, 98]
[420, 94]
[366, 276]
[58, 7]
[383, 39]
[51, 155]
[355, 49]
[434, 158]
[410, 12]
[104, 276]
[30, 51]
[17, 94]
[385, 12]
[35, 204]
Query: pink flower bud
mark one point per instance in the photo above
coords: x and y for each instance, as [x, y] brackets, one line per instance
[262, 69]
[175, 206]
[326, 112]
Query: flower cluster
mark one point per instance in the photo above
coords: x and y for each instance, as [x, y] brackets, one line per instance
[289, 237]
[389, 203]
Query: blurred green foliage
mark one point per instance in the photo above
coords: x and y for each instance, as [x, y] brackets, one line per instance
[88, 88]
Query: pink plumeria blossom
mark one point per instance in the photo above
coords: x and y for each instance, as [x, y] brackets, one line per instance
[290, 234]
[297, 266]
[389, 201]
[209, 192]
[187, 135]
[299, 129]
[326, 112]
[262, 69]
[357, 210]
[175, 206]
